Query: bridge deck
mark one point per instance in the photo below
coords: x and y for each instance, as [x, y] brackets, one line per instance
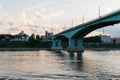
[91, 21]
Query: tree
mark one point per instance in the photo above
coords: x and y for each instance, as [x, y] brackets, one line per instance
[32, 37]
[93, 39]
[32, 41]
[37, 37]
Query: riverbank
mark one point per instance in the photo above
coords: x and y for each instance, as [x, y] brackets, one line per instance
[101, 49]
[49, 49]
[23, 49]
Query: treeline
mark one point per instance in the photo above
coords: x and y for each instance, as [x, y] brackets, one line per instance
[35, 41]
[96, 42]
[93, 39]
[107, 45]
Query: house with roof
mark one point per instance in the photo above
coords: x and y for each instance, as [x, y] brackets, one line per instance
[20, 37]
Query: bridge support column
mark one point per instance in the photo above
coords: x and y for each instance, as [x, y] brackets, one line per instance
[71, 43]
[59, 44]
[53, 44]
[80, 43]
[73, 48]
[56, 44]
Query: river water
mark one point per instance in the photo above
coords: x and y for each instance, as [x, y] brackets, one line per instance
[49, 65]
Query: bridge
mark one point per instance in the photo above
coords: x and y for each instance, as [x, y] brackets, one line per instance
[76, 34]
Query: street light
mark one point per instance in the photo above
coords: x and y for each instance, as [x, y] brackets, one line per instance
[99, 8]
[83, 18]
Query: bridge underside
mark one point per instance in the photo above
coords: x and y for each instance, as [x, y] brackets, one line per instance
[75, 42]
[70, 44]
[82, 33]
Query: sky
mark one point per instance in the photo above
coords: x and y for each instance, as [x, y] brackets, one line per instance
[38, 16]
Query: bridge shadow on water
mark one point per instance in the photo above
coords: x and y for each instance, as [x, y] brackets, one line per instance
[59, 53]
[74, 59]
[77, 56]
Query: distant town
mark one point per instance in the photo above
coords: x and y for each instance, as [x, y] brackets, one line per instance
[21, 36]
[22, 40]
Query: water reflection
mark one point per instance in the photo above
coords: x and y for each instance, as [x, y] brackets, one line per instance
[49, 65]
[77, 56]
[77, 60]
[59, 53]
[72, 59]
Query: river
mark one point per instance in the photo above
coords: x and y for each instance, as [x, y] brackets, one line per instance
[49, 65]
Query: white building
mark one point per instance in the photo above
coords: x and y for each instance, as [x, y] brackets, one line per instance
[20, 37]
[105, 38]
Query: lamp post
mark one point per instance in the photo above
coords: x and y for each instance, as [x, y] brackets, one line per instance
[83, 18]
[72, 23]
[99, 8]
[100, 17]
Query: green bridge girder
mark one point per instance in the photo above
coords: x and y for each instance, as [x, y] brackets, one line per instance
[77, 33]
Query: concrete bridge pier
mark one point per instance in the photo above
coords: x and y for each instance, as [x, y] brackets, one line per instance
[56, 44]
[79, 55]
[71, 43]
[75, 48]
[80, 43]
[75, 56]
[59, 44]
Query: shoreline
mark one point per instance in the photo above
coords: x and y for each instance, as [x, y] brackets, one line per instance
[49, 49]
[24, 49]
[101, 49]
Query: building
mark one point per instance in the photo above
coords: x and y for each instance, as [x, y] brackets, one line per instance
[48, 34]
[43, 37]
[105, 38]
[5, 37]
[20, 37]
[115, 40]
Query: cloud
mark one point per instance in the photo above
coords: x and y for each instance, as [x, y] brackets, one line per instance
[109, 9]
[3, 18]
[65, 5]
[40, 29]
[37, 6]
[11, 23]
[45, 14]
[34, 30]
[50, 28]
[24, 21]
[13, 29]
[27, 25]
[3, 15]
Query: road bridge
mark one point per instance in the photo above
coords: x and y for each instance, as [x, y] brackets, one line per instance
[76, 34]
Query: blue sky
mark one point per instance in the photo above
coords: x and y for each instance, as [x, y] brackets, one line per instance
[37, 16]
